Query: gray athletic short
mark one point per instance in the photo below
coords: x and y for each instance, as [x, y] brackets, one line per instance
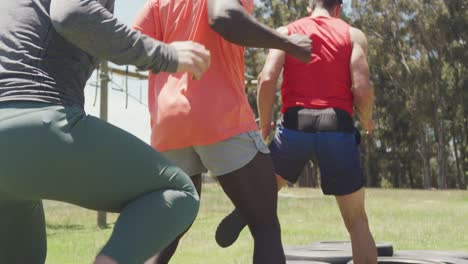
[219, 158]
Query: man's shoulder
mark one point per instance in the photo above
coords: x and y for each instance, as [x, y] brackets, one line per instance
[356, 31]
[357, 35]
[297, 25]
[299, 21]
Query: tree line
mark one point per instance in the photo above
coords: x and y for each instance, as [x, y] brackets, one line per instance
[418, 58]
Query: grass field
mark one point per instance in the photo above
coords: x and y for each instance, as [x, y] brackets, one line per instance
[409, 219]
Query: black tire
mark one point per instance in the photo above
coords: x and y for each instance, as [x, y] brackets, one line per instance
[304, 262]
[401, 260]
[329, 256]
[433, 253]
[383, 249]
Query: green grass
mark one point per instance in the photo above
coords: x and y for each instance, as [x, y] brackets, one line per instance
[407, 218]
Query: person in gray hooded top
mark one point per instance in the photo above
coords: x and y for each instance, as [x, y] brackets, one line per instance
[49, 147]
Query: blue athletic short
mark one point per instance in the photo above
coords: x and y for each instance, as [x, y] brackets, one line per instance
[337, 154]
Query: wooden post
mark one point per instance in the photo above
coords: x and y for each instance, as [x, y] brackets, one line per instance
[103, 113]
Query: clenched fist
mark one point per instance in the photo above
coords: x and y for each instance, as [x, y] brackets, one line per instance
[194, 58]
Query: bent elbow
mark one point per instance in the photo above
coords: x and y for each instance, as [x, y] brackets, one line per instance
[62, 17]
[266, 83]
[266, 80]
[363, 91]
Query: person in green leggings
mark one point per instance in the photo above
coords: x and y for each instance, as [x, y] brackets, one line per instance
[49, 147]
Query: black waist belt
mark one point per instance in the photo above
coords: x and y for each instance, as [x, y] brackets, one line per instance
[318, 120]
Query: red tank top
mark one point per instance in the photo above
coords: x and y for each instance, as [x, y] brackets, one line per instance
[326, 81]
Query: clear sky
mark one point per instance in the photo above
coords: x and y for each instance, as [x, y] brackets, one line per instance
[127, 10]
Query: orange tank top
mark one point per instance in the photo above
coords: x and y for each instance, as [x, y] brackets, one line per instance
[186, 112]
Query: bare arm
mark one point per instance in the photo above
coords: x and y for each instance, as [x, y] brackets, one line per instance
[229, 19]
[267, 82]
[361, 87]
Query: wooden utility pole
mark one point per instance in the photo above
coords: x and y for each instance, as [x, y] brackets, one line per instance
[104, 78]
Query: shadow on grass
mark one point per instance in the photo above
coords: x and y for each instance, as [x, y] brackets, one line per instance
[69, 227]
[107, 226]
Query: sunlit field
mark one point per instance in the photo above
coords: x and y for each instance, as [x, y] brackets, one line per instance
[409, 219]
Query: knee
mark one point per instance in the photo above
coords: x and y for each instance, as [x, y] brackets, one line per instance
[193, 205]
[178, 181]
[266, 230]
[263, 223]
[190, 208]
[193, 200]
[179, 192]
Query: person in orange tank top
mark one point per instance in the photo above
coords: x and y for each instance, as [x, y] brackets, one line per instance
[319, 100]
[207, 125]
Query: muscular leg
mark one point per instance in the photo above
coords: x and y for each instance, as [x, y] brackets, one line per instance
[232, 225]
[341, 175]
[165, 256]
[286, 161]
[354, 216]
[252, 189]
[159, 199]
[61, 154]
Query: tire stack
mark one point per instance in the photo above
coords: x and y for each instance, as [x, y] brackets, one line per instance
[339, 252]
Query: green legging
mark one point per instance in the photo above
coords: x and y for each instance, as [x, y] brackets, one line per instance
[60, 153]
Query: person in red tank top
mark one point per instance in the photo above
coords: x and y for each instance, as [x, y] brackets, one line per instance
[326, 81]
[319, 100]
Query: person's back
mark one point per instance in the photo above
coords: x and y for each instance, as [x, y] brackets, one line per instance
[211, 109]
[326, 81]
